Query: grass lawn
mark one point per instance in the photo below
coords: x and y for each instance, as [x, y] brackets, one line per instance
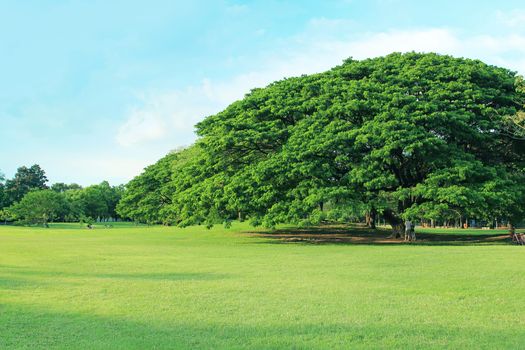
[142, 287]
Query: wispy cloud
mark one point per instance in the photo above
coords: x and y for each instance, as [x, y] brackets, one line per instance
[144, 124]
[513, 19]
[175, 112]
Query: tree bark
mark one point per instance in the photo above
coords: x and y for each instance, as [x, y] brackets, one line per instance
[398, 226]
[373, 217]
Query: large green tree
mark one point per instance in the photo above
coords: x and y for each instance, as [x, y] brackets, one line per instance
[407, 135]
[404, 136]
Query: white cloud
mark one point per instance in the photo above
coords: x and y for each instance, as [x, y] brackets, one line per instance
[430, 40]
[163, 113]
[87, 168]
[324, 23]
[142, 124]
[513, 19]
[174, 113]
[237, 9]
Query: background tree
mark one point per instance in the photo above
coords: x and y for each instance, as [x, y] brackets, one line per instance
[63, 187]
[75, 205]
[100, 201]
[25, 180]
[3, 194]
[40, 207]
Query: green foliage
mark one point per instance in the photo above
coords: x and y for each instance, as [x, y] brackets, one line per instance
[3, 193]
[40, 207]
[147, 197]
[407, 136]
[63, 187]
[6, 215]
[100, 201]
[25, 180]
[411, 135]
[75, 203]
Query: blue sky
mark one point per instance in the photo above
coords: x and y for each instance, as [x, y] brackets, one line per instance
[96, 90]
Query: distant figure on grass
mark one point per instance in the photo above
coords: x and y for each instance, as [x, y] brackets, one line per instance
[518, 238]
[410, 233]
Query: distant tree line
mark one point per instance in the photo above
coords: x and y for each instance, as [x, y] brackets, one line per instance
[27, 198]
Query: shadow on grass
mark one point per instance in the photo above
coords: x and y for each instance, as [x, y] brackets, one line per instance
[161, 276]
[13, 280]
[36, 328]
[339, 234]
[13, 283]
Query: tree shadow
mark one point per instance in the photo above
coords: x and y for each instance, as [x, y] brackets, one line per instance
[154, 276]
[13, 283]
[38, 328]
[145, 276]
[355, 235]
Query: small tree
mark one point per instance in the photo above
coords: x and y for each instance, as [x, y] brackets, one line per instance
[5, 215]
[40, 207]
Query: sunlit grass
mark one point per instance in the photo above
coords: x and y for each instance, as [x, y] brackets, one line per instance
[129, 287]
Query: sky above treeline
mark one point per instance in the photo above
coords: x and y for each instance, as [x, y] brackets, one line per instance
[97, 90]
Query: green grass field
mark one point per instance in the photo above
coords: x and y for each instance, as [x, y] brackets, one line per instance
[145, 287]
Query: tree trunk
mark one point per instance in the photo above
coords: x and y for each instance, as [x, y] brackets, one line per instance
[512, 232]
[398, 226]
[371, 217]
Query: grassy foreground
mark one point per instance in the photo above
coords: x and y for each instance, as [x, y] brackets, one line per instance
[158, 287]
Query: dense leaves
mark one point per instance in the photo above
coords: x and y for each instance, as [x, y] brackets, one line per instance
[40, 207]
[25, 180]
[407, 135]
[148, 195]
[62, 202]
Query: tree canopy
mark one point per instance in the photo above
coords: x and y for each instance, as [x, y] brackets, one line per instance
[25, 180]
[62, 202]
[149, 197]
[406, 135]
[40, 207]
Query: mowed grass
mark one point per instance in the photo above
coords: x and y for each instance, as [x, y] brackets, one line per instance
[130, 287]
